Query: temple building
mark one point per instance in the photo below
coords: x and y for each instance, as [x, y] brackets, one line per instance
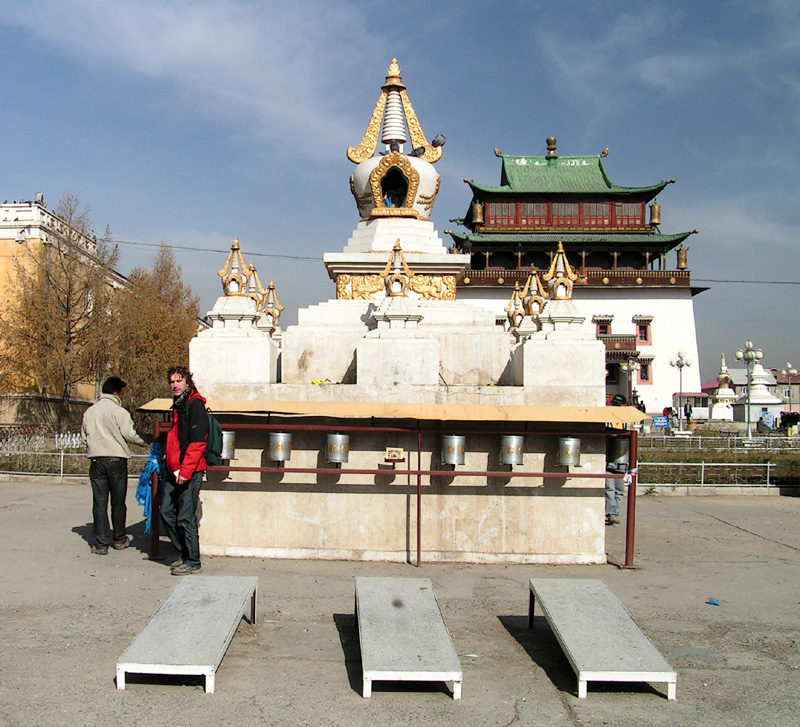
[630, 296]
[396, 421]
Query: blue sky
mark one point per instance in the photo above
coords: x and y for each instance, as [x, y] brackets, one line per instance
[195, 122]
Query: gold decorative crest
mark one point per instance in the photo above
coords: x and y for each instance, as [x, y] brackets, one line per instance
[401, 162]
[560, 277]
[394, 82]
[270, 305]
[234, 274]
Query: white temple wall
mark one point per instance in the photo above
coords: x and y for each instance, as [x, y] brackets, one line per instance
[374, 517]
[251, 362]
[672, 330]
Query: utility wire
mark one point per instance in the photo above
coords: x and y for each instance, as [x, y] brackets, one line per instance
[211, 249]
[307, 257]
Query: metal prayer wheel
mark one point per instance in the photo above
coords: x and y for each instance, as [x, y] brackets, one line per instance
[569, 451]
[453, 448]
[618, 451]
[228, 445]
[511, 449]
[338, 448]
[280, 446]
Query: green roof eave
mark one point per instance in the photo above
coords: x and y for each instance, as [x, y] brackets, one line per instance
[591, 239]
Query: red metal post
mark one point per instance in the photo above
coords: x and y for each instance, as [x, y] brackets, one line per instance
[419, 497]
[630, 524]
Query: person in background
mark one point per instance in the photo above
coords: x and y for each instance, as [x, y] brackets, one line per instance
[615, 490]
[185, 455]
[107, 428]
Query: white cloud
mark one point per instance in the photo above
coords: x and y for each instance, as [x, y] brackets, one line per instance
[277, 68]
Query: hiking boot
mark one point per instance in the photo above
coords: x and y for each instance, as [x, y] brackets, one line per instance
[100, 549]
[176, 563]
[185, 570]
[611, 520]
[121, 544]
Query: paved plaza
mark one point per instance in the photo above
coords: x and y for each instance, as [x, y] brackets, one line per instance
[66, 616]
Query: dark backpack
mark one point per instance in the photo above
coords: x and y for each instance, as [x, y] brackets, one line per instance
[213, 452]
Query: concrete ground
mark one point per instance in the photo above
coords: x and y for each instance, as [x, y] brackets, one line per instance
[66, 616]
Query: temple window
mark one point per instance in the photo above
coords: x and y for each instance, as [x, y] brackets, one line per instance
[596, 214]
[533, 213]
[629, 214]
[603, 329]
[502, 214]
[643, 332]
[565, 213]
[645, 374]
[612, 373]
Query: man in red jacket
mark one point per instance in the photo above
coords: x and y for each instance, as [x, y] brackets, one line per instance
[186, 447]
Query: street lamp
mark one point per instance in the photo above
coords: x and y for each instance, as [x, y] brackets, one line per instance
[630, 367]
[679, 363]
[788, 372]
[749, 355]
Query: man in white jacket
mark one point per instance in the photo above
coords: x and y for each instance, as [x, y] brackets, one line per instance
[107, 428]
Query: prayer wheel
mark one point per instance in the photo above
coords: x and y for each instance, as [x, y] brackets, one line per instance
[280, 446]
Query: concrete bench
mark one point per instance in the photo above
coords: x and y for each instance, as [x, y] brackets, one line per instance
[191, 630]
[599, 637]
[402, 634]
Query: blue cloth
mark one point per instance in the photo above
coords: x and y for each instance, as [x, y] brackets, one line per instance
[144, 491]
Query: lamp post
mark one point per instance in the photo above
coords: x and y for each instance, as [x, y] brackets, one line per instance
[630, 367]
[679, 363]
[789, 372]
[749, 355]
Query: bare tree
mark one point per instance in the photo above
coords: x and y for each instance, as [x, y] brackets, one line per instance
[160, 315]
[55, 331]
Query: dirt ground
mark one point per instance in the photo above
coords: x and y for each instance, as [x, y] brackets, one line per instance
[66, 616]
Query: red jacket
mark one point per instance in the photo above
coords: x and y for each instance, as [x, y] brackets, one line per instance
[186, 441]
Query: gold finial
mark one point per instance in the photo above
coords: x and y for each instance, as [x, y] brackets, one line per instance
[514, 310]
[271, 305]
[393, 74]
[497, 152]
[560, 276]
[396, 274]
[369, 142]
[254, 290]
[234, 273]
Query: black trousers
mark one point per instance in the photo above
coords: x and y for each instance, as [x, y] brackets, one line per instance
[179, 516]
[109, 477]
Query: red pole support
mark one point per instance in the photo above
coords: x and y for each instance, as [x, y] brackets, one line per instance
[419, 498]
[630, 524]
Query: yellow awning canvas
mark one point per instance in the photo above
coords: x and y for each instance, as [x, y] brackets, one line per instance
[427, 412]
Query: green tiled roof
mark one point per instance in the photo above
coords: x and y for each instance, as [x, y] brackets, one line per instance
[560, 175]
[572, 240]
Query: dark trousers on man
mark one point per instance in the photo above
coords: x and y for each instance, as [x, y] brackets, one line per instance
[178, 513]
[109, 477]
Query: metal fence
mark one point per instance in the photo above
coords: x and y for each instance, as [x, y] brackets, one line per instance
[716, 474]
[699, 442]
[63, 454]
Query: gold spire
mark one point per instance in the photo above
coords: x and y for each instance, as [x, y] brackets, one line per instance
[234, 274]
[369, 142]
[560, 276]
[271, 305]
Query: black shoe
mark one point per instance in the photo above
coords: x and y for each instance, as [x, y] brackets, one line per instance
[121, 544]
[185, 570]
[100, 549]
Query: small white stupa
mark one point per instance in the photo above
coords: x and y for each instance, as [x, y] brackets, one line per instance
[724, 396]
